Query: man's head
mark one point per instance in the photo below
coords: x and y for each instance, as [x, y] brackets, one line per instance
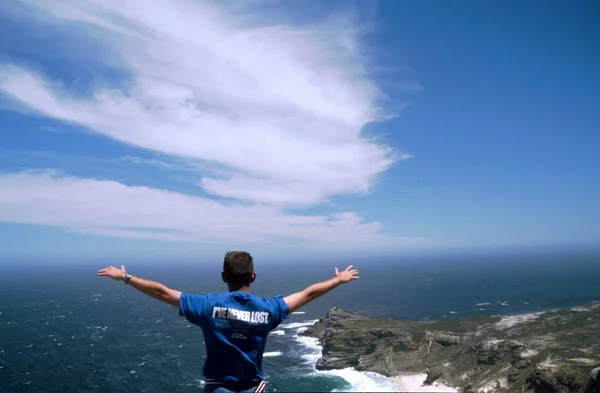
[238, 270]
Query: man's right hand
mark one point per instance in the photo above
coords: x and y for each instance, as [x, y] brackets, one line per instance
[113, 272]
[347, 275]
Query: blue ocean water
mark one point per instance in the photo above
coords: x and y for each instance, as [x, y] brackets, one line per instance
[62, 329]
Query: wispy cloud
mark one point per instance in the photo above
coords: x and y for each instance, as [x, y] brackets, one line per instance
[148, 161]
[58, 160]
[277, 110]
[48, 128]
[104, 207]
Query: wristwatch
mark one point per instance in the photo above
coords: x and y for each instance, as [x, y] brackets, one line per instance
[127, 278]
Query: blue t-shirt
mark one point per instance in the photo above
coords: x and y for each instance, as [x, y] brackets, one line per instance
[235, 327]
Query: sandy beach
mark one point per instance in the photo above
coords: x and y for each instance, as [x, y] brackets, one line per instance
[414, 383]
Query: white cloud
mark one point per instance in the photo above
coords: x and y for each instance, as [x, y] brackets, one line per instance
[104, 207]
[280, 105]
[273, 112]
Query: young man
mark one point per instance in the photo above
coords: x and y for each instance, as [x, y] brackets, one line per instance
[235, 324]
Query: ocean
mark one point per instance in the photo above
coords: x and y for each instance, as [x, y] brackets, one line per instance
[63, 329]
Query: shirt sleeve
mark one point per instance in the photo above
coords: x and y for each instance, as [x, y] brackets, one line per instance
[279, 310]
[192, 307]
[594, 381]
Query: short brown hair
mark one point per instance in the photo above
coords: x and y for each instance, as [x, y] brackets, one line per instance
[238, 267]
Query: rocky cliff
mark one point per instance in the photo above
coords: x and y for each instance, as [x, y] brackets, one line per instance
[548, 352]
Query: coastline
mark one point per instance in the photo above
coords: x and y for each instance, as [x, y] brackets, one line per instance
[502, 346]
[366, 380]
[360, 381]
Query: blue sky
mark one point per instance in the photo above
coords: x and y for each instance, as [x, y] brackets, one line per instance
[178, 130]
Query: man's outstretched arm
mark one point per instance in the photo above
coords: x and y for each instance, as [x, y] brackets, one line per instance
[150, 288]
[299, 299]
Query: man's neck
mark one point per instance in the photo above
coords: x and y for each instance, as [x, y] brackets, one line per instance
[242, 289]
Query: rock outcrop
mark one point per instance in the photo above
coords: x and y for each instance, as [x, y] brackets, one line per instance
[552, 351]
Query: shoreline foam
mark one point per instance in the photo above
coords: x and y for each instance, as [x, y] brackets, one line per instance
[358, 380]
[365, 380]
[414, 383]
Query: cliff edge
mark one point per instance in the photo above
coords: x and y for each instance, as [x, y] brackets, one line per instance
[547, 352]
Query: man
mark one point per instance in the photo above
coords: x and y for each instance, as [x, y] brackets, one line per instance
[235, 324]
[593, 385]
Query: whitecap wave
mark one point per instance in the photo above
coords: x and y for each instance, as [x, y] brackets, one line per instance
[272, 354]
[278, 332]
[296, 325]
[311, 350]
[363, 381]
[359, 381]
[482, 304]
[299, 312]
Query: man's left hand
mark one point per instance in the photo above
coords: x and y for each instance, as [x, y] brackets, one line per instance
[113, 272]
